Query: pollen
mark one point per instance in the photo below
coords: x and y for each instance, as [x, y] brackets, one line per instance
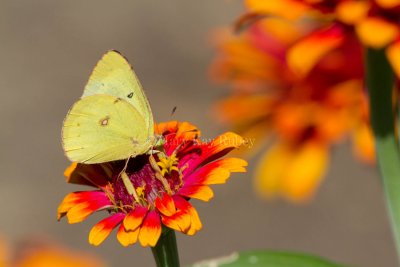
[168, 164]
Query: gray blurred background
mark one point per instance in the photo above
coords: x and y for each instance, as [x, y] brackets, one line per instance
[48, 49]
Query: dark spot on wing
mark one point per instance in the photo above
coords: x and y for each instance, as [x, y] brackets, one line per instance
[117, 100]
[130, 95]
[104, 121]
[134, 141]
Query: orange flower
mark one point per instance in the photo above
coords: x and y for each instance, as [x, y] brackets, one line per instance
[38, 253]
[162, 185]
[302, 92]
[373, 22]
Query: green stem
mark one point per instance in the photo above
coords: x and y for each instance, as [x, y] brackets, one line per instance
[380, 83]
[166, 251]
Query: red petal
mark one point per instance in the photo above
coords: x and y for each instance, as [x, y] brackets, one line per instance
[150, 230]
[135, 218]
[216, 172]
[304, 55]
[166, 205]
[195, 223]
[103, 228]
[201, 192]
[219, 147]
[79, 205]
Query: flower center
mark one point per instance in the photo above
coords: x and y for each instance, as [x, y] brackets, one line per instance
[151, 177]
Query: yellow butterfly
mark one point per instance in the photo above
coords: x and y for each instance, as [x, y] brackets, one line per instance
[113, 119]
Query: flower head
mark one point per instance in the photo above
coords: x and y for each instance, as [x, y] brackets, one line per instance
[153, 190]
[373, 22]
[305, 98]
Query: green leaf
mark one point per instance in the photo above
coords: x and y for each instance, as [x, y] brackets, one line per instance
[267, 259]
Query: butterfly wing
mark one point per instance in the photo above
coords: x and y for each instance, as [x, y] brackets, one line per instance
[113, 75]
[101, 128]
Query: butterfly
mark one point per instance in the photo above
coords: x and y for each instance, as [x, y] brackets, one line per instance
[112, 120]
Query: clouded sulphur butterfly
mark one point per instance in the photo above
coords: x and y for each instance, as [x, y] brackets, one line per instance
[113, 119]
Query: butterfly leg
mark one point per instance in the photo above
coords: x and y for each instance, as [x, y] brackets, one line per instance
[158, 174]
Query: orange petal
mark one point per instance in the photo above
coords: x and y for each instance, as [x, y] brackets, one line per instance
[150, 230]
[96, 175]
[240, 109]
[78, 205]
[186, 220]
[294, 172]
[393, 54]
[216, 172]
[44, 255]
[376, 32]
[103, 228]
[127, 238]
[363, 143]
[196, 224]
[201, 192]
[282, 8]
[184, 130]
[135, 218]
[166, 205]
[388, 3]
[181, 220]
[351, 12]
[304, 55]
[68, 171]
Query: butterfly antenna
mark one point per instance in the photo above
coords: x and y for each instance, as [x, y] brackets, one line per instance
[173, 111]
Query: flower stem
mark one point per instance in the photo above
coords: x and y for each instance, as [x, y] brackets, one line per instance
[380, 83]
[166, 251]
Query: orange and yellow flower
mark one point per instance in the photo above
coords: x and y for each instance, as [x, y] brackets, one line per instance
[41, 253]
[302, 93]
[163, 184]
[373, 22]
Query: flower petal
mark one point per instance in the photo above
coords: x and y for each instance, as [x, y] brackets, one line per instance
[135, 218]
[289, 9]
[376, 32]
[79, 205]
[195, 223]
[126, 237]
[393, 54]
[217, 148]
[150, 230]
[166, 205]
[363, 143]
[216, 172]
[103, 228]
[96, 175]
[388, 3]
[304, 55]
[351, 12]
[293, 172]
[201, 192]
[181, 220]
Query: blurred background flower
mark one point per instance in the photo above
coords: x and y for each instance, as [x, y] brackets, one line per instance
[299, 88]
[39, 252]
[373, 22]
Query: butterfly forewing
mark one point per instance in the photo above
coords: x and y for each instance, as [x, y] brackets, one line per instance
[113, 75]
